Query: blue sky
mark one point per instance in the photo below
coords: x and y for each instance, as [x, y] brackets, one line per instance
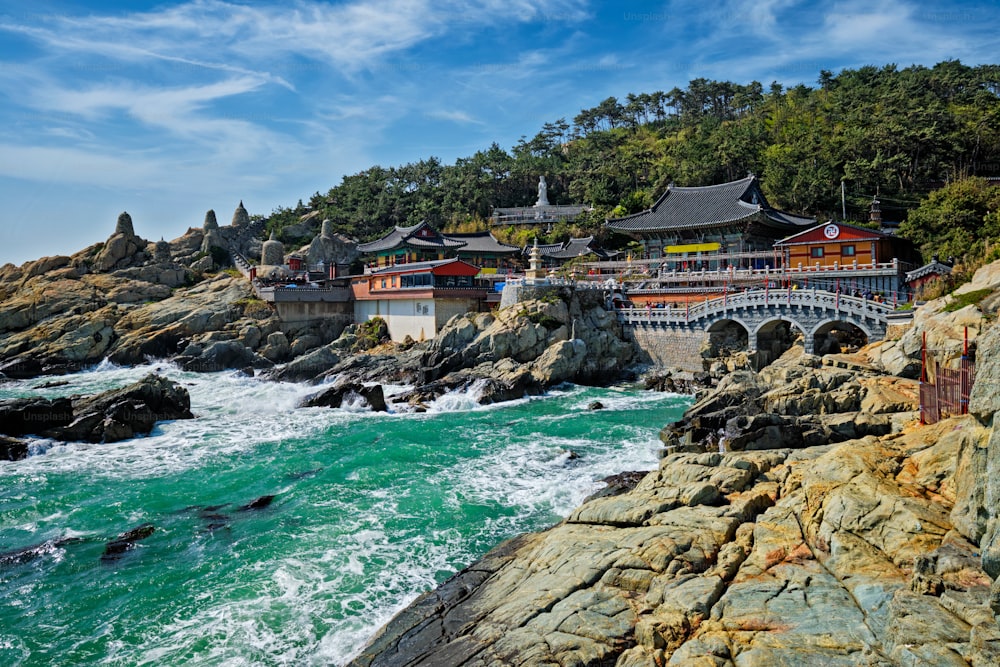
[168, 109]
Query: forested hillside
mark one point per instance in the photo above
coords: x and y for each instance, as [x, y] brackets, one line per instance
[897, 133]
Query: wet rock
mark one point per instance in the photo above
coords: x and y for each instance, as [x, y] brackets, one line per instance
[258, 503]
[334, 397]
[24, 416]
[111, 416]
[12, 449]
[125, 542]
[35, 551]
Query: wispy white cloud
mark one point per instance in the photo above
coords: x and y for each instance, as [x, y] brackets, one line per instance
[455, 116]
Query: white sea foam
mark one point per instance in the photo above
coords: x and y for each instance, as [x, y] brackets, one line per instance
[363, 550]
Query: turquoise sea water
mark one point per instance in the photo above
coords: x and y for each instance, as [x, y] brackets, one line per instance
[370, 510]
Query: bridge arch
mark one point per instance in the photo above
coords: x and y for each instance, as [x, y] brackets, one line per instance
[834, 334]
[774, 336]
[728, 334]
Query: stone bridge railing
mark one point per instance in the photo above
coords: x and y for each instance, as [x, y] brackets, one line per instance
[791, 299]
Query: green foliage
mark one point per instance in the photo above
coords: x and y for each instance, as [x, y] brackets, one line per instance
[545, 320]
[972, 298]
[254, 308]
[894, 133]
[371, 333]
[955, 220]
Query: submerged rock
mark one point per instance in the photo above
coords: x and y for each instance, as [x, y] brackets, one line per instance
[258, 503]
[114, 549]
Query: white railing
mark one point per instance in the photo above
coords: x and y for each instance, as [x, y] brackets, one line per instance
[607, 283]
[760, 298]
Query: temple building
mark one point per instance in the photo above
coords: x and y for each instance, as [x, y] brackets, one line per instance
[554, 255]
[933, 270]
[486, 252]
[418, 298]
[875, 262]
[405, 245]
[423, 243]
[711, 227]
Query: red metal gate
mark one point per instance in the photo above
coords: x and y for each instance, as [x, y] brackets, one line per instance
[946, 394]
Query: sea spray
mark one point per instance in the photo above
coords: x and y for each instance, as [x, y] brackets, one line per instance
[369, 510]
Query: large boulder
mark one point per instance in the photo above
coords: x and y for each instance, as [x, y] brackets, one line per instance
[560, 362]
[221, 355]
[119, 414]
[337, 396]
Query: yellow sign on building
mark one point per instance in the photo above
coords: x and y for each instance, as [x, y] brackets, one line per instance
[690, 247]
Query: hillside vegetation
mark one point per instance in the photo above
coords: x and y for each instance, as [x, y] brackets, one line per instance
[895, 133]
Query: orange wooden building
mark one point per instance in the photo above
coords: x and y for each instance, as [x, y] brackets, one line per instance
[417, 299]
[839, 244]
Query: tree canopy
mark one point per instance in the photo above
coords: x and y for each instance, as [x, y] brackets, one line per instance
[898, 134]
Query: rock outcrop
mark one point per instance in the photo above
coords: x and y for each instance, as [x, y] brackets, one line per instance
[519, 350]
[831, 529]
[110, 416]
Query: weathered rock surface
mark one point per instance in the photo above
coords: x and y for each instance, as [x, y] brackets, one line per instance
[839, 555]
[110, 416]
[337, 396]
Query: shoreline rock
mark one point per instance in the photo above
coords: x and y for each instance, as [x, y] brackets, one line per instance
[799, 515]
[111, 416]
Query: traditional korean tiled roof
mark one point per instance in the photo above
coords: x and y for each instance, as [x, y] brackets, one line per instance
[709, 206]
[571, 249]
[483, 242]
[407, 236]
[935, 268]
[416, 266]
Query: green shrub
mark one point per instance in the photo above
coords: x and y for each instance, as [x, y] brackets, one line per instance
[959, 301]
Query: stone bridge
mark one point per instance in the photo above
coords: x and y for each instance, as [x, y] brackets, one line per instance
[755, 319]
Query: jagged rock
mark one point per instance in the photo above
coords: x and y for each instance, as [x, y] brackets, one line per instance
[221, 355]
[27, 416]
[12, 449]
[124, 413]
[334, 397]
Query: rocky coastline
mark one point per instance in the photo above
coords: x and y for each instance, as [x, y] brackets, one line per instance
[799, 514]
